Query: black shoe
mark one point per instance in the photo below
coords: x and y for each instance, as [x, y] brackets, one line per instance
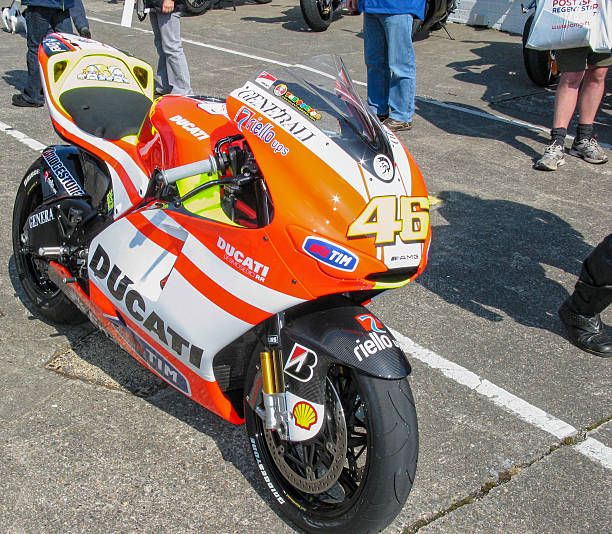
[84, 32]
[20, 101]
[585, 332]
[382, 118]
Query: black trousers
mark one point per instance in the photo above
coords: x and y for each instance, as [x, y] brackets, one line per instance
[593, 292]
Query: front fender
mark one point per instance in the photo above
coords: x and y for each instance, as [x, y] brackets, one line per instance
[348, 335]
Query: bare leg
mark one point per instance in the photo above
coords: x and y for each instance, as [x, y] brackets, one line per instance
[591, 94]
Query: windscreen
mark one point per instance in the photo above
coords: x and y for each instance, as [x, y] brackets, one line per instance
[321, 89]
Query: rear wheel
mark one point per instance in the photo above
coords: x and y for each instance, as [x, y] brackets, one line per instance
[317, 13]
[356, 474]
[45, 296]
[539, 64]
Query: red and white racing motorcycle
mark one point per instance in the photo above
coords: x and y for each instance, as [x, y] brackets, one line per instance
[229, 246]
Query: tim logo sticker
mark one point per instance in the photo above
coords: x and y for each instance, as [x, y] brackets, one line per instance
[330, 253]
[301, 363]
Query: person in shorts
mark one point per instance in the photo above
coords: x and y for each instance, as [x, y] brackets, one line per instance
[577, 66]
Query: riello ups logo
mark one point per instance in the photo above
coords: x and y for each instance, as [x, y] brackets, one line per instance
[376, 340]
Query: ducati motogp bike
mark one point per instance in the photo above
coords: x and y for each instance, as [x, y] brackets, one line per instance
[230, 245]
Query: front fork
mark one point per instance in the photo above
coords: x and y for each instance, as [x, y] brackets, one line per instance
[274, 413]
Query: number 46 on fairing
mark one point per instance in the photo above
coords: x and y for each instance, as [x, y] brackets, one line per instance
[380, 218]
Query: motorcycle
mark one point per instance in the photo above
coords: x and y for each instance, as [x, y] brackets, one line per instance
[319, 14]
[230, 246]
[540, 65]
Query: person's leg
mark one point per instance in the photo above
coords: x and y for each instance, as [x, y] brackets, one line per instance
[571, 64]
[37, 20]
[592, 294]
[375, 55]
[77, 13]
[176, 62]
[592, 91]
[161, 74]
[566, 98]
[402, 87]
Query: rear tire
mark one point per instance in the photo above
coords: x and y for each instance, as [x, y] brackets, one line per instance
[45, 296]
[318, 14]
[539, 64]
[379, 462]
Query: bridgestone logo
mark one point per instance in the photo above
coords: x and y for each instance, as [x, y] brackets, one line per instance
[62, 174]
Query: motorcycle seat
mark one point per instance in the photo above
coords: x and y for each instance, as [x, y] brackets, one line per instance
[106, 112]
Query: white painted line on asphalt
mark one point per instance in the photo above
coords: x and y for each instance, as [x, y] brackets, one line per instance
[28, 141]
[445, 105]
[591, 448]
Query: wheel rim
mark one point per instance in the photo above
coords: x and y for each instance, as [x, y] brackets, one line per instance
[325, 474]
[325, 8]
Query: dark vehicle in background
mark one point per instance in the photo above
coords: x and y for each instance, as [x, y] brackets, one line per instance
[195, 7]
[318, 14]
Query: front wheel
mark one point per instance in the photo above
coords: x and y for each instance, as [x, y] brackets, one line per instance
[539, 64]
[356, 474]
[317, 13]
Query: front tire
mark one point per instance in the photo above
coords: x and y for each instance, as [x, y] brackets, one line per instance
[317, 13]
[539, 64]
[379, 463]
[45, 296]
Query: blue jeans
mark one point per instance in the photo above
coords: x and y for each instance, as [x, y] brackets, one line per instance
[41, 21]
[389, 58]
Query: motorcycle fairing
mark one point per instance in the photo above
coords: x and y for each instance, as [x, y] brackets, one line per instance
[182, 297]
[102, 312]
[331, 146]
[85, 84]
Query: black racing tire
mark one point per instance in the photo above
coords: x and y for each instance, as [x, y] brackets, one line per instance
[195, 7]
[538, 63]
[317, 16]
[263, 1]
[45, 296]
[378, 468]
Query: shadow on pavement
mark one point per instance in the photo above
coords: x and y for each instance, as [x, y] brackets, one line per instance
[494, 257]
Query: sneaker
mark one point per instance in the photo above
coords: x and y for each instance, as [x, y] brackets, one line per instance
[554, 156]
[85, 32]
[589, 150]
[20, 101]
[396, 126]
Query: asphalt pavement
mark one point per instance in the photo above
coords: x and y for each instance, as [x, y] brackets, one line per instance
[515, 431]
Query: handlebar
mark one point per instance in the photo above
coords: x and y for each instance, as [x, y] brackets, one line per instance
[205, 166]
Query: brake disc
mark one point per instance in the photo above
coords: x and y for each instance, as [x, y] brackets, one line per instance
[331, 444]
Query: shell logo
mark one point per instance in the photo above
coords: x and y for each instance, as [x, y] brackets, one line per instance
[305, 415]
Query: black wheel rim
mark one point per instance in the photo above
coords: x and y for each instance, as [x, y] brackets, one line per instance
[314, 456]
